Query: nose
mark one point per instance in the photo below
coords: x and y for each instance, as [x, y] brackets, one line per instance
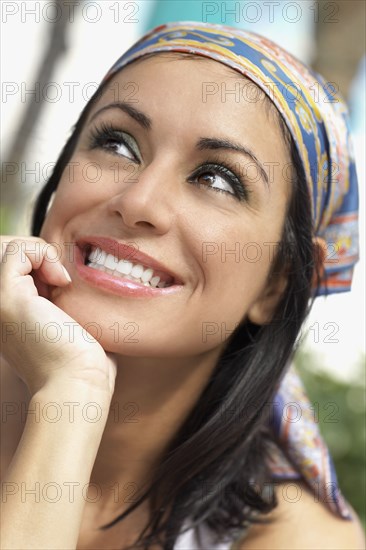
[148, 198]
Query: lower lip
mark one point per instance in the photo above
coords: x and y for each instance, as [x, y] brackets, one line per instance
[118, 285]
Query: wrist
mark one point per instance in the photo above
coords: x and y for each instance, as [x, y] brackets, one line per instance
[65, 386]
[75, 404]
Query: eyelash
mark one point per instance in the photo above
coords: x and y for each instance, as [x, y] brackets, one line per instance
[229, 172]
[107, 133]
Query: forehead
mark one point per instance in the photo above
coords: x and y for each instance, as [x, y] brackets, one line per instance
[252, 92]
[205, 82]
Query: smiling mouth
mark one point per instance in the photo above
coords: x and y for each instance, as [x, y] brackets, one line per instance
[96, 258]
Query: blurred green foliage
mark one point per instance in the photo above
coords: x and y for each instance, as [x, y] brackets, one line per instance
[4, 221]
[340, 409]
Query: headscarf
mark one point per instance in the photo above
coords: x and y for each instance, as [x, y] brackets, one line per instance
[317, 119]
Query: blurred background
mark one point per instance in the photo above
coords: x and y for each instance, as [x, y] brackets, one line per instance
[54, 54]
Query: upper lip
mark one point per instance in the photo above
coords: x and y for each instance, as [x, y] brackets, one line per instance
[124, 251]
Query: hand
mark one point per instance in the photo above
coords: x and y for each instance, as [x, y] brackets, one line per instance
[27, 270]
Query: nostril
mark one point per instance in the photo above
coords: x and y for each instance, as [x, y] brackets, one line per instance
[145, 224]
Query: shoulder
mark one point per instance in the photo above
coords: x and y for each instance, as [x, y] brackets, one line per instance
[301, 523]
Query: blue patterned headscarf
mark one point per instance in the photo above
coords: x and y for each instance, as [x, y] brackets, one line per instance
[315, 115]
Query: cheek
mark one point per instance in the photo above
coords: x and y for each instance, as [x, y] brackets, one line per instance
[235, 279]
[88, 179]
[81, 187]
[235, 263]
[239, 257]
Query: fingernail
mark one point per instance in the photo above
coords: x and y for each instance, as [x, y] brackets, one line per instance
[66, 273]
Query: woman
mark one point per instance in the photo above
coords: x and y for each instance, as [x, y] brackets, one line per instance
[195, 226]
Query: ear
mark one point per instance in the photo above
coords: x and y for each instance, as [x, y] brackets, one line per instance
[320, 254]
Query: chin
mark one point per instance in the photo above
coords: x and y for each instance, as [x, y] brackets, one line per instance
[133, 339]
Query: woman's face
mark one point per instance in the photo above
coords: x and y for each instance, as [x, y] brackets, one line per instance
[165, 181]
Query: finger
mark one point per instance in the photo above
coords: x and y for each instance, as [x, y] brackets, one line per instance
[21, 257]
[6, 239]
[42, 287]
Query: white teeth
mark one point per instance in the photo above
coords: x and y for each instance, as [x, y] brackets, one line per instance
[124, 267]
[111, 262]
[102, 257]
[94, 255]
[137, 271]
[99, 259]
[147, 274]
[154, 281]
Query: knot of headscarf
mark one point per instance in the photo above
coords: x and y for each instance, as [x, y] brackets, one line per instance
[314, 113]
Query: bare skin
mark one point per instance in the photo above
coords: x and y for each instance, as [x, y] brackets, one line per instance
[161, 377]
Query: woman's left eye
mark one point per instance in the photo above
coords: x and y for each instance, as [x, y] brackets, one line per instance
[220, 179]
[116, 141]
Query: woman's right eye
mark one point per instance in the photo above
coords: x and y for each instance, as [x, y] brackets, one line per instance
[118, 142]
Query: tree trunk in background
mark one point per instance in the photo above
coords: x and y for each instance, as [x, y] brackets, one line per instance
[340, 34]
[13, 196]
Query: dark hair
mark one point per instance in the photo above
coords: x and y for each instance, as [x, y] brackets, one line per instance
[216, 467]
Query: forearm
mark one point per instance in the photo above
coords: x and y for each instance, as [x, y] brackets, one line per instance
[43, 492]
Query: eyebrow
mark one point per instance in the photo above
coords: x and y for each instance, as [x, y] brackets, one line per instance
[137, 115]
[203, 143]
[216, 143]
